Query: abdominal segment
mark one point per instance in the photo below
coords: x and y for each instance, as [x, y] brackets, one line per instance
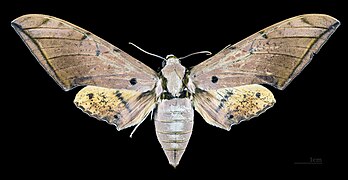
[174, 123]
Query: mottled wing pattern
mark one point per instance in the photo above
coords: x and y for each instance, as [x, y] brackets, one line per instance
[122, 108]
[228, 106]
[75, 57]
[274, 56]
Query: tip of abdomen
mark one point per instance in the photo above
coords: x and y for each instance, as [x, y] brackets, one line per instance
[174, 156]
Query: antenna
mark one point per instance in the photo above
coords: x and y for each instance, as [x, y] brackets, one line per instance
[199, 52]
[147, 52]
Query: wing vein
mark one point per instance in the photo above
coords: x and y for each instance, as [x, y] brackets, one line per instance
[58, 38]
[28, 28]
[280, 54]
[72, 54]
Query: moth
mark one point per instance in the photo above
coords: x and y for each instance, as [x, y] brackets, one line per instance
[225, 89]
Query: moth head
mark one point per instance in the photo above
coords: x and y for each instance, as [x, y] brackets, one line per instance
[170, 59]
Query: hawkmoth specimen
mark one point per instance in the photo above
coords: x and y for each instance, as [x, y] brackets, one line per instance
[225, 89]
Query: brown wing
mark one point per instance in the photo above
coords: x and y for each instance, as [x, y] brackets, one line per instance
[274, 56]
[228, 106]
[75, 57]
[122, 108]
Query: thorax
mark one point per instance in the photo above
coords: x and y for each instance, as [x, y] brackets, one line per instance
[173, 74]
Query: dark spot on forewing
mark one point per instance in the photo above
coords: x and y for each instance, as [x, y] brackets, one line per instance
[214, 79]
[133, 81]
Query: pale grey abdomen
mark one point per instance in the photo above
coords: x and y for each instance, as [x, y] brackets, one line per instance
[174, 123]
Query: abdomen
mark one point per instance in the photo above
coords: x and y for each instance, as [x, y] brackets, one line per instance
[174, 123]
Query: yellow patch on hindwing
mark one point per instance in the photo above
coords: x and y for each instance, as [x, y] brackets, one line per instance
[227, 106]
[246, 102]
[122, 108]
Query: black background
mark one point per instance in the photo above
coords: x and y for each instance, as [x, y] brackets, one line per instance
[48, 136]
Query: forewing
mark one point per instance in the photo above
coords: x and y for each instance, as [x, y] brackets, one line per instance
[274, 56]
[122, 108]
[228, 106]
[75, 57]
